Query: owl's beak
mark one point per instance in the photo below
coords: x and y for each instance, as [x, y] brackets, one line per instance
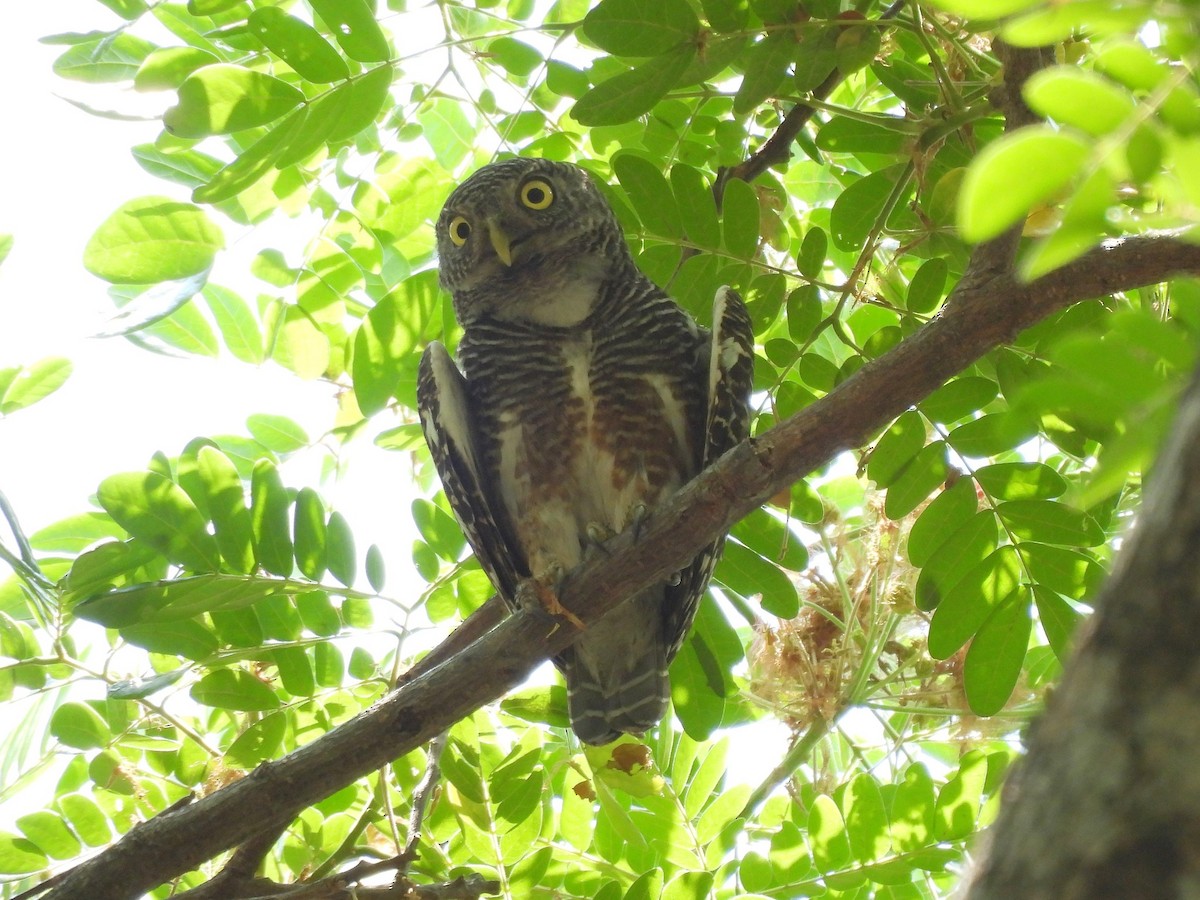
[500, 242]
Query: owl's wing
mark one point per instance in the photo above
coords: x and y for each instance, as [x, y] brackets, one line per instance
[730, 375]
[727, 423]
[445, 408]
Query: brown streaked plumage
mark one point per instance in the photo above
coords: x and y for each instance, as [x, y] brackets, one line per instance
[586, 397]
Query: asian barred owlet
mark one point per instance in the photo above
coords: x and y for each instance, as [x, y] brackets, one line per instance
[586, 398]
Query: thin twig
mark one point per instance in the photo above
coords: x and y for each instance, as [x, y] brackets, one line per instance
[420, 802]
[778, 147]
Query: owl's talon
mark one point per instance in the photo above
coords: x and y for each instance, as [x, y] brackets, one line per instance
[640, 514]
[540, 594]
[597, 535]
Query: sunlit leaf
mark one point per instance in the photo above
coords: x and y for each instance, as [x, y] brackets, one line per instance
[298, 44]
[152, 239]
[157, 511]
[222, 98]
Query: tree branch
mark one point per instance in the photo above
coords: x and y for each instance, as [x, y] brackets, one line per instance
[986, 309]
[777, 148]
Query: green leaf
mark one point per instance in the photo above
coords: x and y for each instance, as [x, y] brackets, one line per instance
[253, 164]
[381, 344]
[376, 576]
[630, 94]
[1050, 523]
[926, 471]
[857, 209]
[700, 786]
[954, 557]
[650, 195]
[223, 98]
[997, 655]
[339, 547]
[260, 742]
[1014, 174]
[866, 819]
[1021, 481]
[927, 286]
[360, 101]
[269, 518]
[310, 534]
[354, 27]
[86, 818]
[991, 434]
[766, 63]
[987, 10]
[166, 68]
[317, 613]
[772, 539]
[958, 398]
[811, 259]
[114, 57]
[959, 800]
[277, 433]
[78, 725]
[843, 134]
[126, 9]
[239, 328]
[515, 56]
[156, 510]
[19, 856]
[298, 44]
[1069, 572]
[179, 598]
[184, 638]
[739, 218]
[747, 573]
[827, 833]
[34, 383]
[1058, 619]
[688, 885]
[226, 504]
[949, 512]
[48, 832]
[152, 239]
[234, 689]
[635, 28]
[911, 811]
[696, 206]
[1080, 97]
[975, 597]
[448, 131]
[896, 448]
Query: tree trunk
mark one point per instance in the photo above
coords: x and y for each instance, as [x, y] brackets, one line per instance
[1107, 802]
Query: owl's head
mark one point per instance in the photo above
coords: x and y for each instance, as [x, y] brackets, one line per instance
[527, 238]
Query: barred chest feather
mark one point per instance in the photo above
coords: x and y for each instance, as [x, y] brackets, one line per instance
[584, 425]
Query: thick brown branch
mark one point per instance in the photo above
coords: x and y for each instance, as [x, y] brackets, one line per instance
[1107, 803]
[987, 308]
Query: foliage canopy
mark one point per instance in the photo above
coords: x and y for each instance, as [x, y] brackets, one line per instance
[902, 614]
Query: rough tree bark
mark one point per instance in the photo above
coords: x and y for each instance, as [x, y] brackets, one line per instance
[1107, 802]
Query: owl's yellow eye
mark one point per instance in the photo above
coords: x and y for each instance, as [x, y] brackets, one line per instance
[460, 230]
[537, 194]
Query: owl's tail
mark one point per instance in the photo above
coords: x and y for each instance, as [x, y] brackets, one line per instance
[635, 703]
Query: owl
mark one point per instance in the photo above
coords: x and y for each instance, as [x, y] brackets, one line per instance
[586, 398]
